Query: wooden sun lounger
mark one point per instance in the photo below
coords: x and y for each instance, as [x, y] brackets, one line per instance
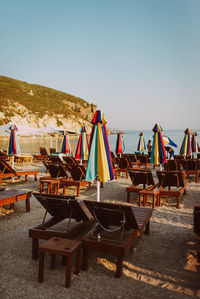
[192, 167]
[11, 196]
[60, 207]
[56, 170]
[172, 179]
[78, 175]
[140, 177]
[131, 221]
[7, 171]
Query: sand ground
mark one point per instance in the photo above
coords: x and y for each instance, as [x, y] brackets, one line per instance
[161, 265]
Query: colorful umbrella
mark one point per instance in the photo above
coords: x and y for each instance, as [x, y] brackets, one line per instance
[158, 153]
[99, 162]
[185, 149]
[194, 143]
[66, 149]
[141, 143]
[168, 141]
[82, 151]
[14, 148]
[120, 146]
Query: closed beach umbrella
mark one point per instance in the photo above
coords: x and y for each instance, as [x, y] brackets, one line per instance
[82, 150]
[194, 143]
[168, 141]
[14, 148]
[99, 166]
[120, 147]
[141, 143]
[66, 149]
[185, 149]
[158, 153]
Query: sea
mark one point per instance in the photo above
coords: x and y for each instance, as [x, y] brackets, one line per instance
[131, 139]
[31, 144]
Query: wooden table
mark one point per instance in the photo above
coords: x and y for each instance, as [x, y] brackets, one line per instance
[64, 247]
[149, 193]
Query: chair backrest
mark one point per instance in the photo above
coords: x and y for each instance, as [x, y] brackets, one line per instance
[63, 206]
[141, 177]
[70, 160]
[6, 168]
[190, 164]
[172, 165]
[171, 178]
[144, 158]
[130, 157]
[55, 159]
[112, 213]
[52, 150]
[56, 170]
[43, 151]
[3, 155]
[77, 171]
[123, 163]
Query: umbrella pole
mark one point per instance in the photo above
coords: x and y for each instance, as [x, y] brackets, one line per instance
[81, 162]
[160, 167]
[98, 190]
[13, 161]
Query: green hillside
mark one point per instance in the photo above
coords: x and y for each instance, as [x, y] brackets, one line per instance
[39, 100]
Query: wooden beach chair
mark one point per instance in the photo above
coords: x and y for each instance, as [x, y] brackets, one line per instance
[196, 214]
[76, 216]
[117, 227]
[172, 165]
[141, 180]
[192, 168]
[77, 173]
[56, 170]
[6, 171]
[43, 154]
[12, 196]
[172, 184]
[70, 160]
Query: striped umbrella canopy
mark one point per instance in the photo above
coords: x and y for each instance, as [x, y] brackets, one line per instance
[120, 146]
[82, 150]
[141, 143]
[99, 162]
[185, 149]
[158, 153]
[66, 149]
[14, 148]
[168, 141]
[194, 143]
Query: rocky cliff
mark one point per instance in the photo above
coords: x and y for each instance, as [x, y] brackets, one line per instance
[38, 106]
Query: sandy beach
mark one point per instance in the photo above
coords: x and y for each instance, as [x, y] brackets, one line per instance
[162, 264]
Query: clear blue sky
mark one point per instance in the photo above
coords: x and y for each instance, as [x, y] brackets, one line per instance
[139, 61]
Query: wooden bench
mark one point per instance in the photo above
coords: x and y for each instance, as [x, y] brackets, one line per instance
[6, 171]
[172, 184]
[60, 208]
[128, 222]
[138, 178]
[11, 196]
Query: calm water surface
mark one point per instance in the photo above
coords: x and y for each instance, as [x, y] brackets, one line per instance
[32, 144]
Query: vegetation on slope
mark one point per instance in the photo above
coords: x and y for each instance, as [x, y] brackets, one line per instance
[39, 100]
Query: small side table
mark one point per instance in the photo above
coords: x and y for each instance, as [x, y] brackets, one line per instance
[64, 247]
[154, 194]
[52, 184]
